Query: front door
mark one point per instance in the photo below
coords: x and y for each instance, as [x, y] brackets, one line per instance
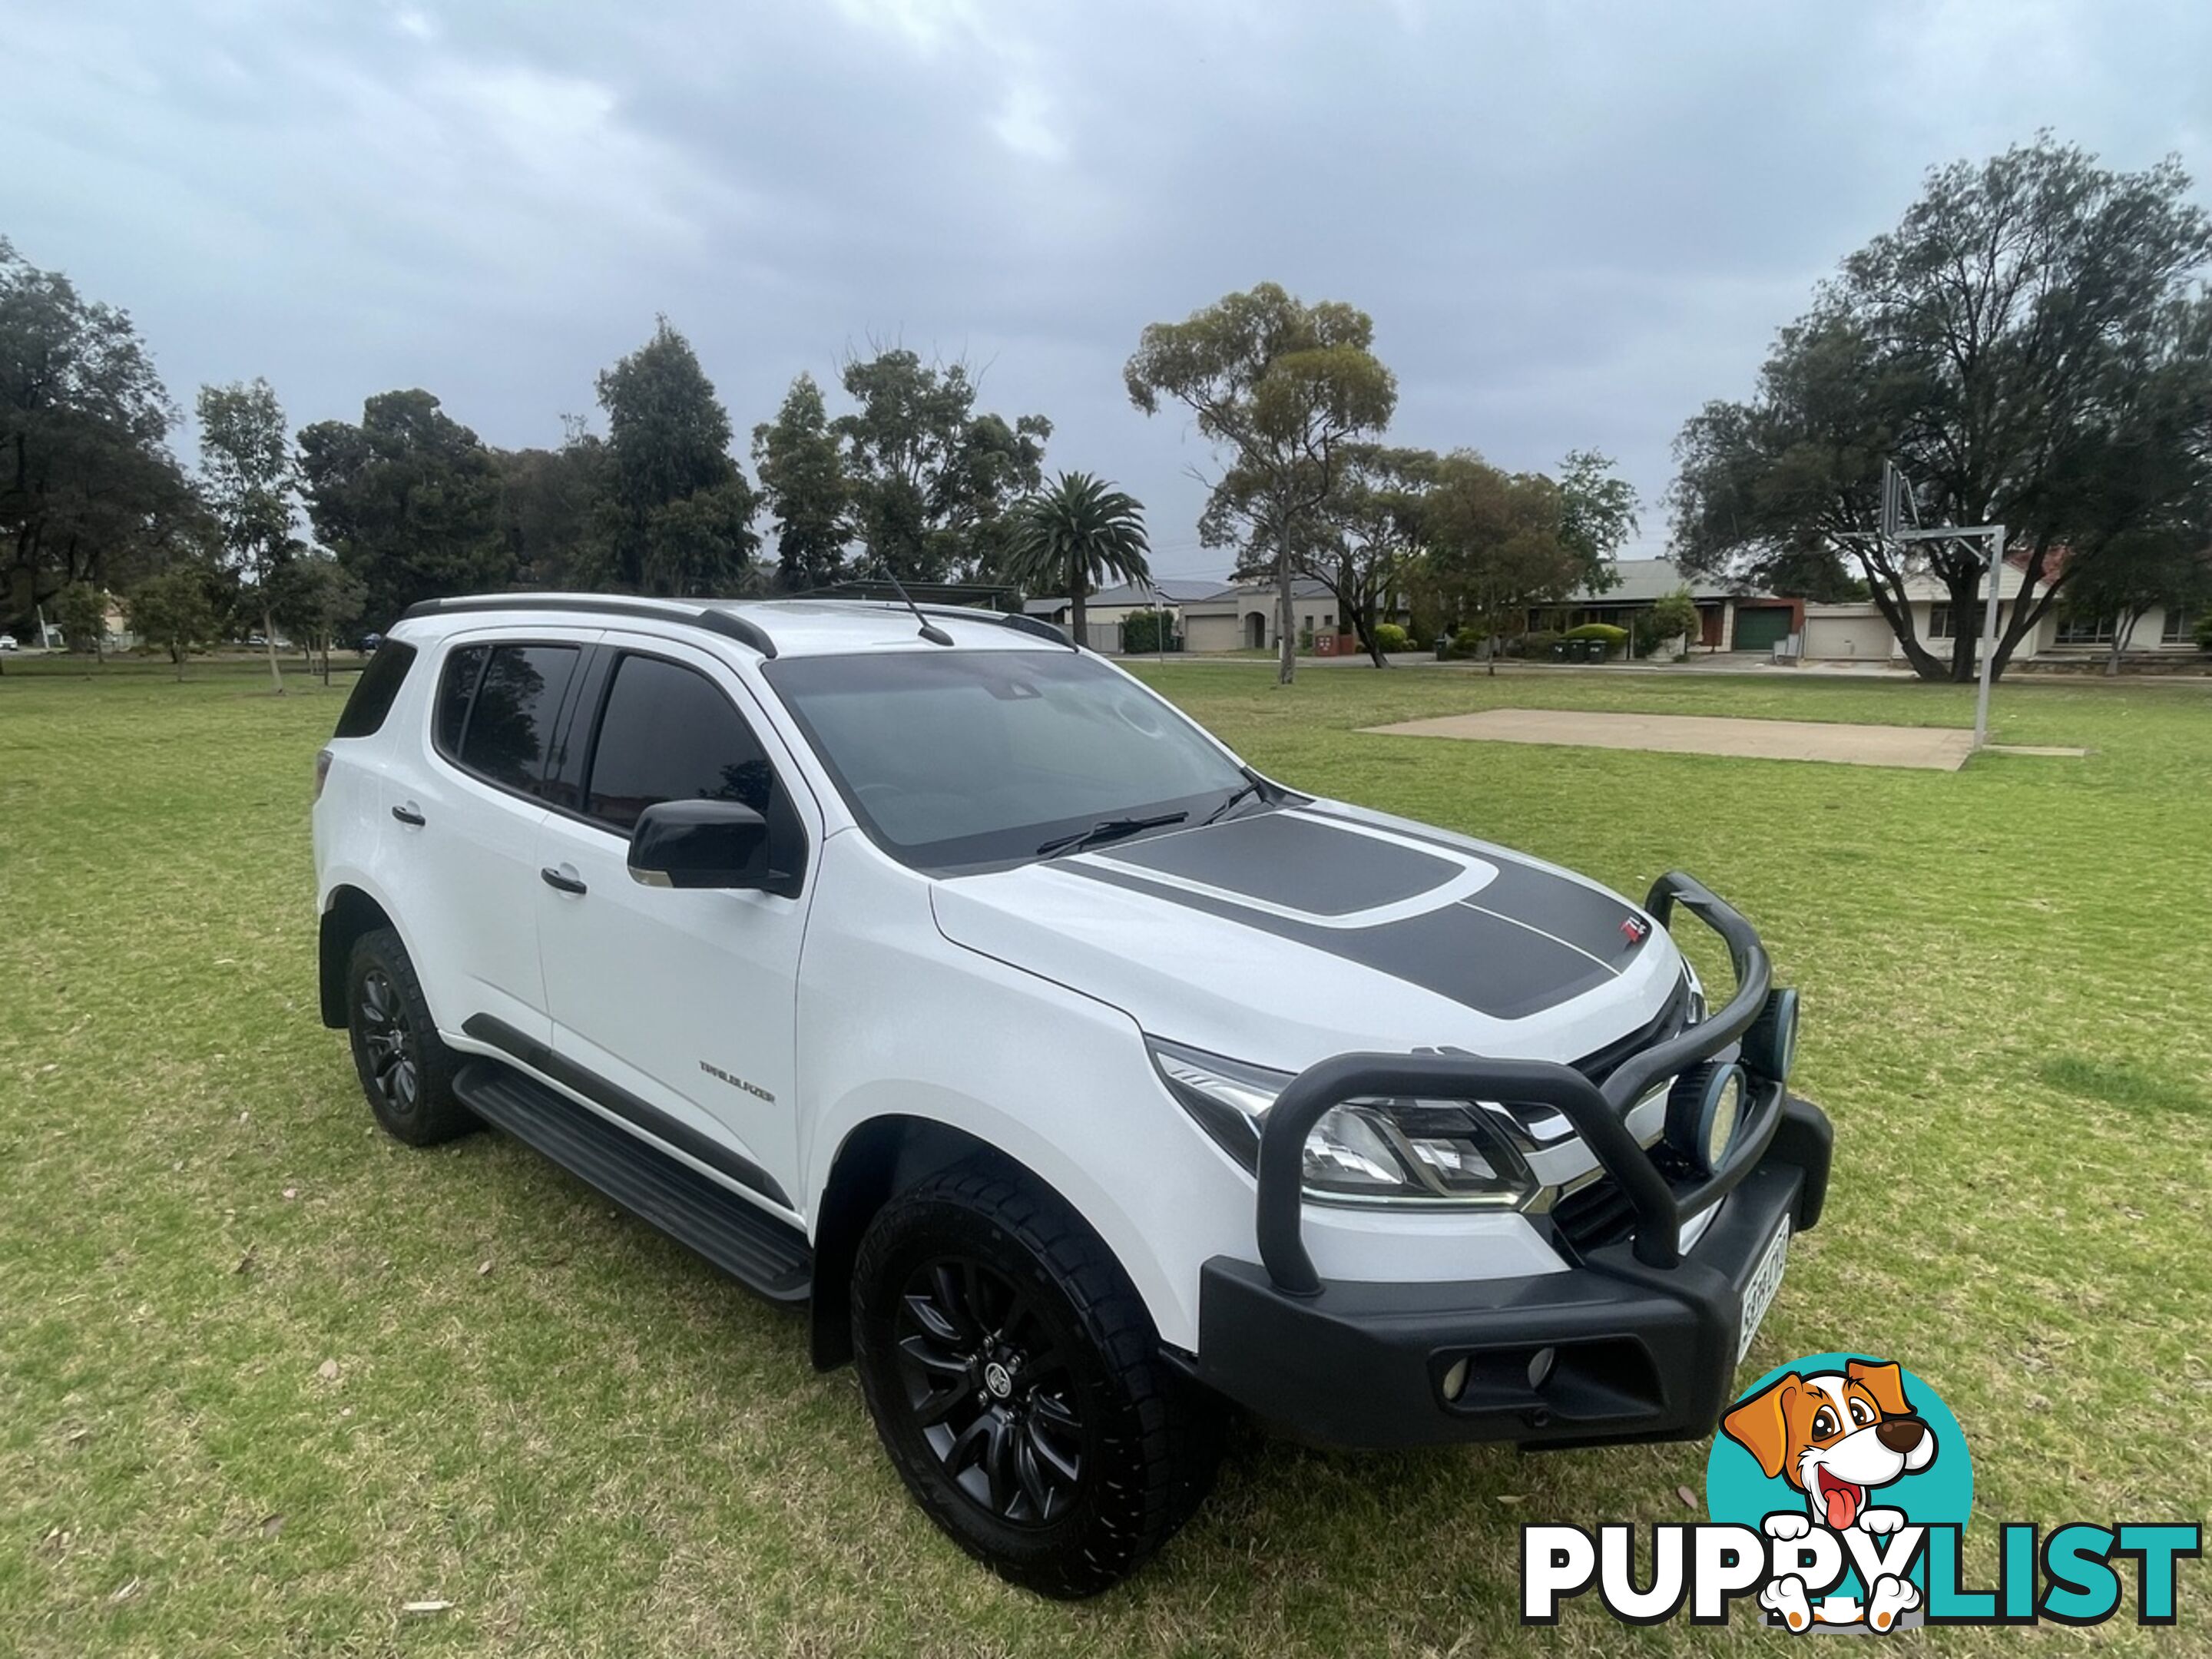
[683, 999]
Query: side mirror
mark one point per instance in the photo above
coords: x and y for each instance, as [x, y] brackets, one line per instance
[700, 843]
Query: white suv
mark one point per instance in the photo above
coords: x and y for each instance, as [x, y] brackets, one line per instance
[1078, 1078]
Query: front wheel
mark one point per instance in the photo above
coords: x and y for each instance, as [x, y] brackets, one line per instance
[1015, 1379]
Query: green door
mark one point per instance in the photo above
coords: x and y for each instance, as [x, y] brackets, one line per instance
[1760, 629]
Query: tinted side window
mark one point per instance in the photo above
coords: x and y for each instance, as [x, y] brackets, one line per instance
[464, 668]
[667, 734]
[373, 692]
[510, 723]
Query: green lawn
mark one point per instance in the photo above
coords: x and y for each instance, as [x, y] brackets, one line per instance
[586, 1443]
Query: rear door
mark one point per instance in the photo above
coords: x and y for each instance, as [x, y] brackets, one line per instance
[684, 1000]
[467, 824]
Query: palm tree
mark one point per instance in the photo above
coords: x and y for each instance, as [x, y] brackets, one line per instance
[1079, 533]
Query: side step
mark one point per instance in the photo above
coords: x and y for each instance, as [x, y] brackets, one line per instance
[763, 1254]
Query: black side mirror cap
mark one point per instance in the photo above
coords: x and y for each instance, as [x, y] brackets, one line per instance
[702, 843]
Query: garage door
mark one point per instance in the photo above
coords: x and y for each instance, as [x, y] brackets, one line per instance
[1848, 639]
[1757, 630]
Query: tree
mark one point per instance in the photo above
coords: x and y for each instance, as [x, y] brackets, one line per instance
[1361, 542]
[1597, 515]
[1496, 544]
[802, 475]
[1673, 616]
[551, 522]
[408, 502]
[174, 610]
[2027, 323]
[677, 511]
[81, 610]
[1282, 385]
[1075, 534]
[2170, 566]
[88, 490]
[315, 598]
[247, 475]
[931, 482]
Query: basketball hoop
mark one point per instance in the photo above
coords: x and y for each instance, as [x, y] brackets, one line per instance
[1901, 530]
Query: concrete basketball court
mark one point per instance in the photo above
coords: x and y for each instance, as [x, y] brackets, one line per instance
[1935, 748]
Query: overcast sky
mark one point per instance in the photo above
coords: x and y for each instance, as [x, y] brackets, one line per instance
[1572, 224]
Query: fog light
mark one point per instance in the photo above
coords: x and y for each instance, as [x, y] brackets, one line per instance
[1455, 1379]
[1769, 1047]
[1540, 1366]
[1705, 1109]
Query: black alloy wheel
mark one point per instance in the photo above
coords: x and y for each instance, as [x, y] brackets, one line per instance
[995, 1400]
[388, 1037]
[406, 1070]
[1018, 1382]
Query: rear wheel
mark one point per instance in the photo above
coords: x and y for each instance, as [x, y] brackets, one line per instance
[406, 1071]
[1015, 1379]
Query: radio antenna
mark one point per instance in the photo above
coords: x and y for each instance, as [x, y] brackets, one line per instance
[930, 630]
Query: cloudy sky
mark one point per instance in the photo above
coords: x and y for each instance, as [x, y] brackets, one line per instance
[1571, 223]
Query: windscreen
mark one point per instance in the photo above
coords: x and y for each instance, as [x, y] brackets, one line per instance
[957, 758]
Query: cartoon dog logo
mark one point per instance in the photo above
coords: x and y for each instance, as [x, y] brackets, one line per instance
[1838, 1437]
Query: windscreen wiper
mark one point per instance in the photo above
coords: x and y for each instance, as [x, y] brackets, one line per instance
[1251, 786]
[1107, 829]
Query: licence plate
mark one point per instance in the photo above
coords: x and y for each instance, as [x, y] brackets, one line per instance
[1758, 1291]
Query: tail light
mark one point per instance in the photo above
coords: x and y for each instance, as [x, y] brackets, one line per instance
[322, 771]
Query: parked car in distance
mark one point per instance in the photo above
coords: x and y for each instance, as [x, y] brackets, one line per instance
[8, 642]
[1082, 1081]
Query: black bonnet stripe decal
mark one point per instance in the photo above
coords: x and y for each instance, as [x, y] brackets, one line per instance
[1485, 962]
[1585, 917]
[1294, 862]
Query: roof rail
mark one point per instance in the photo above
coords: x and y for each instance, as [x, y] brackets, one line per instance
[730, 626]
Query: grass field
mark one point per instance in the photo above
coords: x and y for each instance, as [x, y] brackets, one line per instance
[266, 1376]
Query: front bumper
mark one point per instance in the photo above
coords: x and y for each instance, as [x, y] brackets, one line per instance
[1639, 1353]
[1637, 1341]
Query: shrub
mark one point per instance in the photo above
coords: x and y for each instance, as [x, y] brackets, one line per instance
[1536, 644]
[1389, 636]
[2205, 632]
[1467, 642]
[1142, 632]
[1614, 638]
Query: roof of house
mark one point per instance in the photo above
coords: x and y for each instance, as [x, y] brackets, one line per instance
[1304, 587]
[1176, 590]
[1643, 581]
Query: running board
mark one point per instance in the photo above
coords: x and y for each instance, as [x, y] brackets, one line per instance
[762, 1253]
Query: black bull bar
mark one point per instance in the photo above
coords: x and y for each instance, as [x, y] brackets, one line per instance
[1597, 1111]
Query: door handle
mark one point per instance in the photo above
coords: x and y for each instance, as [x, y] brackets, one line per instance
[408, 815]
[564, 883]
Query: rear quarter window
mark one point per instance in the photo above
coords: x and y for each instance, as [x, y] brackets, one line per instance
[375, 691]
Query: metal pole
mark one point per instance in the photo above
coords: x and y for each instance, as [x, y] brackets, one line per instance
[1997, 534]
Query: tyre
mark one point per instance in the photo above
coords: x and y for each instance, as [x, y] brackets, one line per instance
[1016, 1381]
[405, 1071]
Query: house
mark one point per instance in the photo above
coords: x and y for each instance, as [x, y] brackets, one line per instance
[1104, 611]
[1730, 619]
[1860, 632]
[1242, 617]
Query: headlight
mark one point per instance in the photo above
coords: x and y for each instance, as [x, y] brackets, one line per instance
[1769, 1047]
[1385, 1152]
